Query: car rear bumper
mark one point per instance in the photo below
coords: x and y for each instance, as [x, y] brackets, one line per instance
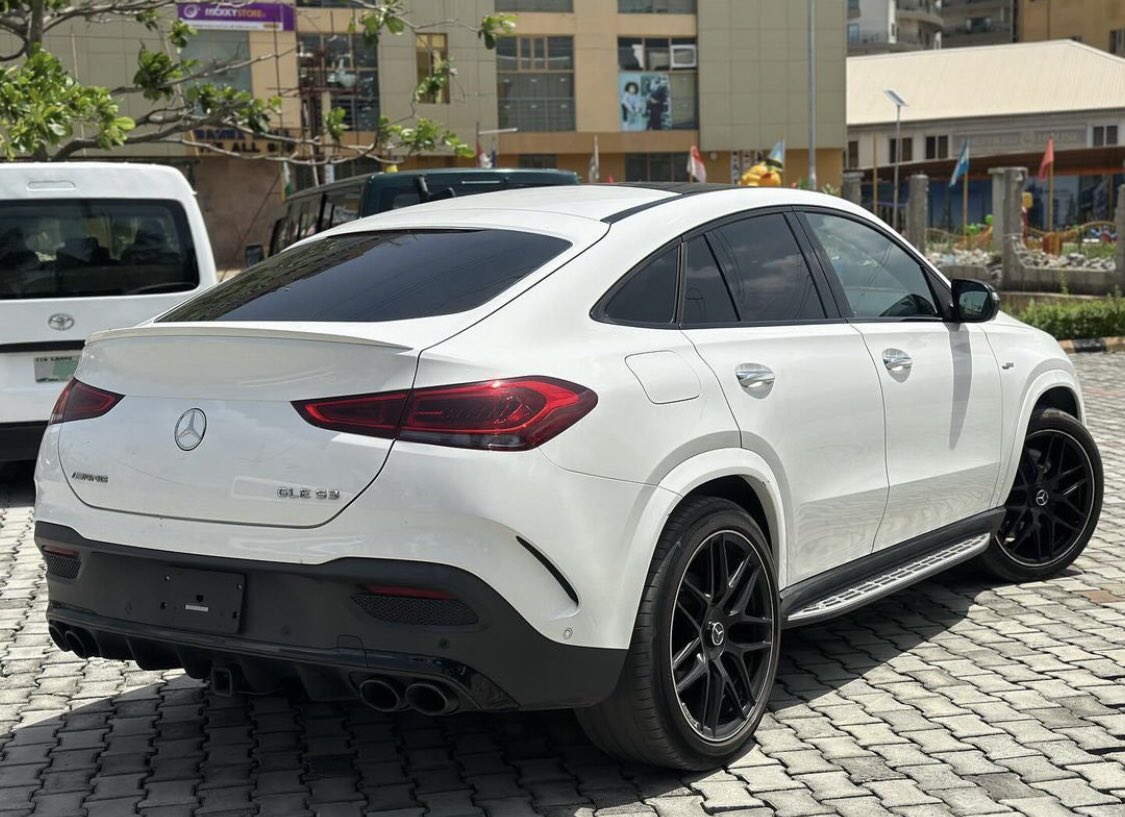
[20, 441]
[328, 626]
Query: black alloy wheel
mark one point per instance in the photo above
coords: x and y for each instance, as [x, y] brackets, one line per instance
[703, 656]
[1053, 507]
[722, 636]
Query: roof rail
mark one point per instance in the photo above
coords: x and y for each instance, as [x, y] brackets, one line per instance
[677, 189]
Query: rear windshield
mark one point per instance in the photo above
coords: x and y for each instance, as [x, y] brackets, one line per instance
[384, 276]
[76, 248]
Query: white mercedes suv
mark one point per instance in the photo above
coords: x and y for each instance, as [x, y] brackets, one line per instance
[587, 447]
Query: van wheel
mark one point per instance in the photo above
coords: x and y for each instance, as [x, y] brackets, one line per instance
[704, 653]
[1054, 505]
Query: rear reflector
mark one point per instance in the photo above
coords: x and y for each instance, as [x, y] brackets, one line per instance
[500, 415]
[80, 401]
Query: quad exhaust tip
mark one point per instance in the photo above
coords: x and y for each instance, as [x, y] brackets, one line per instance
[79, 643]
[382, 694]
[428, 698]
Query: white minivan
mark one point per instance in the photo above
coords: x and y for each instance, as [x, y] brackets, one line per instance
[84, 246]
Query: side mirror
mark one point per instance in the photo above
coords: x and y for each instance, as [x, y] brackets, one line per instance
[253, 254]
[974, 301]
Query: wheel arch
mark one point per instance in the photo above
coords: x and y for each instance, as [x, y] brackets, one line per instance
[737, 474]
[1056, 387]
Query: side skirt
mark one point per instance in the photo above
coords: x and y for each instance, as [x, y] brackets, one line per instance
[859, 582]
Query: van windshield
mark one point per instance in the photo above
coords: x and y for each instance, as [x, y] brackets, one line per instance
[79, 248]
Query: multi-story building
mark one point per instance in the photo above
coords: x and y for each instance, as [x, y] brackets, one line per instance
[642, 80]
[882, 26]
[1100, 23]
[978, 22]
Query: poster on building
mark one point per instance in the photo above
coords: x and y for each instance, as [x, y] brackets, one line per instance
[646, 103]
[244, 16]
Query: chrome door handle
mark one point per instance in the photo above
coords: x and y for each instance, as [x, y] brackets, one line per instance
[754, 376]
[897, 361]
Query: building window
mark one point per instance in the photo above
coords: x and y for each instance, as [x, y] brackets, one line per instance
[345, 67]
[907, 150]
[535, 83]
[853, 7]
[656, 6]
[656, 83]
[1104, 135]
[211, 47]
[937, 147]
[431, 52]
[853, 33]
[565, 6]
[1117, 41]
[535, 5]
[851, 161]
[656, 167]
[538, 161]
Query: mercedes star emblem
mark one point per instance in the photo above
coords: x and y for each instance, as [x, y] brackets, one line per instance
[190, 429]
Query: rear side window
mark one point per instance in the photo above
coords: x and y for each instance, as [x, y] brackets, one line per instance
[770, 280]
[384, 276]
[648, 295]
[79, 248]
[706, 298]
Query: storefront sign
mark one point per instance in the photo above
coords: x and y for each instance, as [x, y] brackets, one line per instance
[1022, 141]
[234, 141]
[244, 16]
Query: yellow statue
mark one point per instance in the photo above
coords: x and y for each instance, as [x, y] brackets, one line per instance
[766, 173]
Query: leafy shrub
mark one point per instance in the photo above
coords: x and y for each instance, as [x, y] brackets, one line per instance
[1078, 319]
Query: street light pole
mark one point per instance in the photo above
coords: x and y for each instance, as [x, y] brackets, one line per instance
[899, 104]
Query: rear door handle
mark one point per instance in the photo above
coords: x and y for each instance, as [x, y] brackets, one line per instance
[897, 361]
[755, 376]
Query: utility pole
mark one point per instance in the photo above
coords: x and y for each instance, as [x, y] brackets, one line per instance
[812, 95]
[899, 104]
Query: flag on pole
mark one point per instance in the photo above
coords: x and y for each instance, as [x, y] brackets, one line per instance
[695, 167]
[1048, 158]
[593, 171]
[483, 159]
[777, 154]
[962, 166]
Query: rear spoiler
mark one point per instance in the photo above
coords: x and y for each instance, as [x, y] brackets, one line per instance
[235, 330]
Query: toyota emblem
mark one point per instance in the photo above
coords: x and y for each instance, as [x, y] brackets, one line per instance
[60, 321]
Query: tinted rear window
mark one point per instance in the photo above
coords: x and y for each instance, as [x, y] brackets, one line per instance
[384, 276]
[77, 248]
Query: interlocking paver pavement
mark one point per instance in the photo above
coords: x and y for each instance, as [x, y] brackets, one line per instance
[960, 697]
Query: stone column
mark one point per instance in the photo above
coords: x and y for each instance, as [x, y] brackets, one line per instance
[852, 189]
[1007, 214]
[1119, 254]
[918, 211]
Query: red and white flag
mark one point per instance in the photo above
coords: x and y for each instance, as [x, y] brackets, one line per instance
[483, 159]
[1048, 158]
[695, 167]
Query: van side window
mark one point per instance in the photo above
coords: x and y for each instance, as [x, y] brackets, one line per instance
[342, 206]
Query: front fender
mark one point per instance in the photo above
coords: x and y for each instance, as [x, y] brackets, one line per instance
[1048, 375]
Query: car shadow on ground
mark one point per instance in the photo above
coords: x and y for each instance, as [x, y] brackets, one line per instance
[178, 739]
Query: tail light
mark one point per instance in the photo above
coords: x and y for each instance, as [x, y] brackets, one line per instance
[500, 415]
[80, 401]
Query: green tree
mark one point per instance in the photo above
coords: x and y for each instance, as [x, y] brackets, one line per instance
[47, 114]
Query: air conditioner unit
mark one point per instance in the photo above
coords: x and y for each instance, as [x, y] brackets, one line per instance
[683, 56]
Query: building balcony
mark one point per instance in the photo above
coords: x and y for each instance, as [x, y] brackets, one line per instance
[923, 12]
[880, 42]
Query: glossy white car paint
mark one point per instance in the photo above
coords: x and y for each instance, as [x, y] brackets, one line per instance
[25, 321]
[816, 447]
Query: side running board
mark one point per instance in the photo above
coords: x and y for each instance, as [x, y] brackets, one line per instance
[885, 581]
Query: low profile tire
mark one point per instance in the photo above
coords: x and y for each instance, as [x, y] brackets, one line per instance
[704, 653]
[1054, 504]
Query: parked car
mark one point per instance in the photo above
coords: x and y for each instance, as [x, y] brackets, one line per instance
[84, 246]
[592, 447]
[319, 208]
